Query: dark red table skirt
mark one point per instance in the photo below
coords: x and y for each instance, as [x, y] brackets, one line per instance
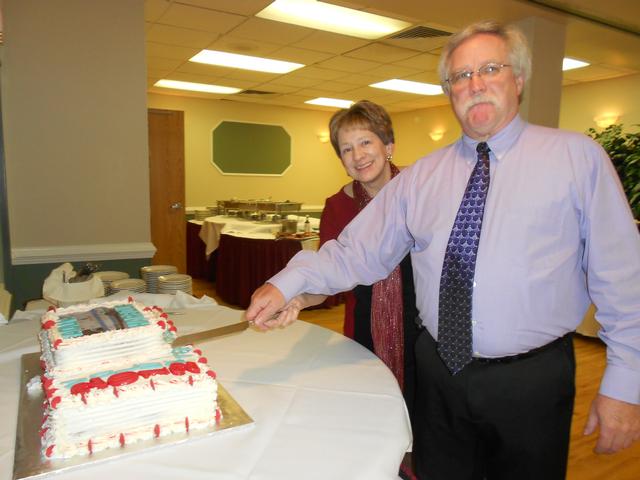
[244, 264]
[198, 266]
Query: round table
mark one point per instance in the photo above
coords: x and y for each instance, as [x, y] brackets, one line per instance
[323, 408]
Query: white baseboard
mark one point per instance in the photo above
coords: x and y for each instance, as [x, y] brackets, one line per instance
[75, 253]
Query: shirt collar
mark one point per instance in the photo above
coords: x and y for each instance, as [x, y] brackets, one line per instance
[501, 142]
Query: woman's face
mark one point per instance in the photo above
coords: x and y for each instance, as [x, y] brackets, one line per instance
[364, 156]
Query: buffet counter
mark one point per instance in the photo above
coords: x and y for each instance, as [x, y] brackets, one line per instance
[323, 407]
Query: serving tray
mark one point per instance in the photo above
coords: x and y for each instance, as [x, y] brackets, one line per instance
[28, 461]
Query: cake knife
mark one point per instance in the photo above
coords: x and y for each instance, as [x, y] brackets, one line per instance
[193, 338]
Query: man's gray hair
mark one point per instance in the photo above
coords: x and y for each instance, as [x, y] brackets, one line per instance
[519, 53]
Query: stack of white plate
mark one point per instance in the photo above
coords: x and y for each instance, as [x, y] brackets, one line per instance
[108, 277]
[173, 282]
[151, 273]
[201, 214]
[135, 285]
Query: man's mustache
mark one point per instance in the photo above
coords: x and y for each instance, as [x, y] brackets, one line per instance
[478, 99]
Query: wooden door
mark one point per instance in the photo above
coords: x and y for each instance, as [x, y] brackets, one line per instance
[166, 177]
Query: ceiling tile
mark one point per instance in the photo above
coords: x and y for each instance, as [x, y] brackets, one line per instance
[270, 31]
[153, 9]
[200, 18]
[380, 52]
[423, 61]
[183, 27]
[300, 55]
[187, 93]
[347, 64]
[241, 7]
[330, 42]
[222, 82]
[296, 81]
[321, 73]
[243, 46]
[277, 87]
[419, 44]
[393, 71]
[260, 77]
[203, 69]
[364, 79]
[336, 87]
[179, 36]
[425, 77]
[163, 50]
[162, 63]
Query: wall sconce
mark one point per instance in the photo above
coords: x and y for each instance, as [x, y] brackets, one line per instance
[606, 120]
[436, 135]
[323, 137]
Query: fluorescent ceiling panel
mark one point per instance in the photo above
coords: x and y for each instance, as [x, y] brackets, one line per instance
[196, 87]
[572, 63]
[330, 102]
[409, 87]
[332, 18]
[245, 62]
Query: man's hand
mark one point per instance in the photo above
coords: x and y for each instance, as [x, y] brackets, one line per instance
[266, 306]
[619, 424]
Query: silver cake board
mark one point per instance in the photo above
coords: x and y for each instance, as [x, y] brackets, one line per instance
[29, 463]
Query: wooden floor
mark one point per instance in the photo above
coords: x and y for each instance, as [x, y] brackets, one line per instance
[590, 358]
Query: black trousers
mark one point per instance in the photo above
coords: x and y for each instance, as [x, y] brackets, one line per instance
[492, 421]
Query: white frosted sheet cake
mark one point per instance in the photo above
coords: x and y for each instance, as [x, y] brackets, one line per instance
[111, 378]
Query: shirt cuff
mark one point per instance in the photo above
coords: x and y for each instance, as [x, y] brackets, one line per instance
[289, 282]
[621, 383]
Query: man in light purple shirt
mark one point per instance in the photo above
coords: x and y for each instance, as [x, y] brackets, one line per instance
[557, 234]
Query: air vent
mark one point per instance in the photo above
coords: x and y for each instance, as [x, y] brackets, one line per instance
[421, 32]
[256, 92]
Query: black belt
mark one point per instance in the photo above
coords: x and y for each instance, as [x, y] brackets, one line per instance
[521, 356]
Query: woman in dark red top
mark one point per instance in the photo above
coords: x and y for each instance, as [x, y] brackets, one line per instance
[382, 317]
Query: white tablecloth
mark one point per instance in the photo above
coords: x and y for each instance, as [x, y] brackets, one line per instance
[323, 406]
[213, 227]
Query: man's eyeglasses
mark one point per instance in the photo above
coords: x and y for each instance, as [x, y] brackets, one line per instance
[463, 77]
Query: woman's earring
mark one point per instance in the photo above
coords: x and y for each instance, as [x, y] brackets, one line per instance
[389, 157]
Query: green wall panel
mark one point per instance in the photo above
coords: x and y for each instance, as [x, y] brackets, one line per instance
[251, 148]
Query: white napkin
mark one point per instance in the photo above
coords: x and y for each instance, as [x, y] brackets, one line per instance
[56, 288]
[186, 301]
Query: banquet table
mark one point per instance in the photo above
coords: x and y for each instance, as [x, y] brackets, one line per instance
[323, 407]
[243, 264]
[213, 227]
[247, 253]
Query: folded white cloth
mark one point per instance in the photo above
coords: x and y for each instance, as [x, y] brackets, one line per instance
[58, 290]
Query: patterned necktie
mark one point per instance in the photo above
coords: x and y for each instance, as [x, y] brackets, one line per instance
[456, 282]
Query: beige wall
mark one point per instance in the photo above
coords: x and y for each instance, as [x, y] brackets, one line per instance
[412, 131]
[75, 127]
[582, 102]
[315, 171]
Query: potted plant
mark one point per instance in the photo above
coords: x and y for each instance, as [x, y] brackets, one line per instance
[624, 150]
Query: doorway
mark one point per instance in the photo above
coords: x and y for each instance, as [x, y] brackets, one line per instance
[167, 187]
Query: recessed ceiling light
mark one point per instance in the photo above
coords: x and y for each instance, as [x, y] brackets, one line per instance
[409, 87]
[196, 87]
[330, 102]
[571, 63]
[332, 18]
[246, 62]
